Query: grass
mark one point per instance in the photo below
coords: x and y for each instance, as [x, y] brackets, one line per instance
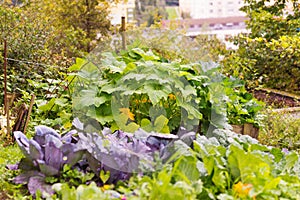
[9, 154]
[172, 13]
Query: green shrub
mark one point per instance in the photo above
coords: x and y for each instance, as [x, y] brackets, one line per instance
[281, 130]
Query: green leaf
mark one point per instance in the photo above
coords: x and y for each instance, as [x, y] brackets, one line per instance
[161, 124]
[192, 110]
[61, 102]
[47, 106]
[129, 67]
[64, 115]
[291, 160]
[99, 116]
[187, 169]
[145, 55]
[155, 95]
[131, 127]
[121, 119]
[77, 66]
[156, 78]
[88, 75]
[110, 62]
[272, 184]
[122, 122]
[104, 176]
[277, 153]
[209, 164]
[134, 76]
[146, 125]
[100, 100]
[220, 178]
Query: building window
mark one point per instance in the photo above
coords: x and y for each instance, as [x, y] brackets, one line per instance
[211, 10]
[211, 3]
[229, 24]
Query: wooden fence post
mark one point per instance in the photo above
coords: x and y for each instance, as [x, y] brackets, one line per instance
[29, 113]
[123, 29]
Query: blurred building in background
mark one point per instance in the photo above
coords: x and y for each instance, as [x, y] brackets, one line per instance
[199, 9]
[125, 9]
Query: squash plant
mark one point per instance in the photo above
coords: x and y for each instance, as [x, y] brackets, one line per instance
[139, 89]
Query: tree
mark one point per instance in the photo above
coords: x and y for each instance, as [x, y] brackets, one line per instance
[269, 54]
[150, 11]
[271, 21]
[78, 25]
[50, 32]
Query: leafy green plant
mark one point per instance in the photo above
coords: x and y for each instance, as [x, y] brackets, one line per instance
[241, 159]
[136, 88]
[224, 100]
[139, 89]
[30, 66]
[180, 182]
[217, 166]
[9, 154]
[85, 192]
[222, 165]
[242, 107]
[171, 44]
[268, 56]
[56, 112]
[280, 130]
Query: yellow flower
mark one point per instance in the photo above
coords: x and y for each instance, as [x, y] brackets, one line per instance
[172, 96]
[242, 190]
[127, 112]
[106, 187]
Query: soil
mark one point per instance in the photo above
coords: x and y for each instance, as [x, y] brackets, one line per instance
[277, 99]
[3, 196]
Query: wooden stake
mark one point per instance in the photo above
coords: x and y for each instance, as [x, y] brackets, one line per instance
[5, 89]
[123, 29]
[29, 113]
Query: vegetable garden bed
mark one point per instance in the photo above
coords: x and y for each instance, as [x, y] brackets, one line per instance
[276, 98]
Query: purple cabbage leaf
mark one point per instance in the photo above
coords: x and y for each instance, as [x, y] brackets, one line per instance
[45, 155]
[120, 153]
